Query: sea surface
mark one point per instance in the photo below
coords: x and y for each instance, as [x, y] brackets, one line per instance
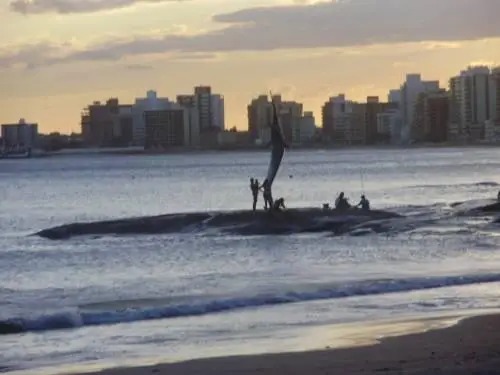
[110, 300]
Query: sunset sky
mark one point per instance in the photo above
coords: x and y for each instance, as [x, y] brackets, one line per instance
[57, 56]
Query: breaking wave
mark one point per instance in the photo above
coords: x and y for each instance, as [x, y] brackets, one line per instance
[123, 312]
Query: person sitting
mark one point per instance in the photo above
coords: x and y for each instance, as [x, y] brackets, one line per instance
[364, 203]
[341, 203]
[279, 204]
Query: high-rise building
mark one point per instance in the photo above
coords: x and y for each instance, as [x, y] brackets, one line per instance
[260, 116]
[22, 134]
[495, 95]
[470, 103]
[357, 124]
[203, 100]
[171, 127]
[209, 107]
[163, 119]
[217, 112]
[123, 129]
[394, 96]
[390, 120]
[492, 126]
[150, 103]
[373, 108]
[410, 90]
[389, 124]
[189, 103]
[327, 118]
[102, 123]
[344, 121]
[186, 100]
[307, 129]
[290, 117]
[334, 108]
[349, 122]
[165, 128]
[431, 117]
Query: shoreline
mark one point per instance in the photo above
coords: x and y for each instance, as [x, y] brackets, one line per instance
[448, 344]
[134, 151]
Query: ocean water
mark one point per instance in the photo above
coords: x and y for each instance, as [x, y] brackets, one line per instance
[110, 300]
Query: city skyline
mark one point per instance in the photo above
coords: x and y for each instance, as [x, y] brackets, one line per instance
[48, 77]
[419, 111]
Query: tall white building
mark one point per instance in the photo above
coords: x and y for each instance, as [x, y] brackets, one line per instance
[217, 112]
[150, 103]
[495, 95]
[154, 104]
[492, 126]
[210, 107]
[472, 102]
[203, 101]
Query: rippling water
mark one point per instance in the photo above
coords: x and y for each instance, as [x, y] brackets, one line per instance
[115, 298]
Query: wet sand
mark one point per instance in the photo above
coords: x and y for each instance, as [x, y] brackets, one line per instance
[470, 347]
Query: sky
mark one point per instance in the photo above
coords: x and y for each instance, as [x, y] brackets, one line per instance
[57, 56]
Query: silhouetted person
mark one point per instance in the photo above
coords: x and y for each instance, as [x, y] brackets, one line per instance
[279, 204]
[268, 197]
[364, 203]
[498, 196]
[341, 202]
[254, 186]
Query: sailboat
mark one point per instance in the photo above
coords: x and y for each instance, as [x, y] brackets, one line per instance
[278, 145]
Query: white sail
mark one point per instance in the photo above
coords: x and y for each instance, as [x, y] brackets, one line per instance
[277, 147]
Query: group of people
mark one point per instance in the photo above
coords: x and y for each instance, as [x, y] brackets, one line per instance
[269, 204]
[341, 203]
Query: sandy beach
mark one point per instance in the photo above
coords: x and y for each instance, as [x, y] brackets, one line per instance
[471, 346]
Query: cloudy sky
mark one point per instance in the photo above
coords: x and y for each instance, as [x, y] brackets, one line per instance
[56, 56]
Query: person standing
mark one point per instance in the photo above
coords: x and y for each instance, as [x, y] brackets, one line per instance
[254, 187]
[268, 197]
